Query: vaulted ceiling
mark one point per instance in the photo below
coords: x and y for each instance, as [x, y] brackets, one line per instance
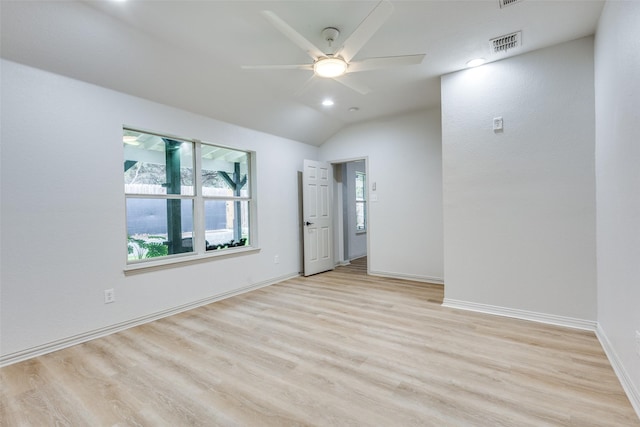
[189, 54]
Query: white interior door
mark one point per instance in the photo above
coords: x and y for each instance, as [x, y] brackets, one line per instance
[317, 179]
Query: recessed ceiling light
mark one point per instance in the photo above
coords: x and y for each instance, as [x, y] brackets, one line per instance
[476, 62]
[327, 102]
[354, 109]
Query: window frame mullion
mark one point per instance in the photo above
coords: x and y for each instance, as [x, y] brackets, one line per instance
[199, 238]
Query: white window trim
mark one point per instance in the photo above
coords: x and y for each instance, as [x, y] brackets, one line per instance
[170, 260]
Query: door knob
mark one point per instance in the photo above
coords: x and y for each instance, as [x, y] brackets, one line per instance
[308, 223]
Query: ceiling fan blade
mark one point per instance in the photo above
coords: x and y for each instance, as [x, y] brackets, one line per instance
[306, 86]
[365, 30]
[278, 67]
[385, 62]
[353, 84]
[293, 35]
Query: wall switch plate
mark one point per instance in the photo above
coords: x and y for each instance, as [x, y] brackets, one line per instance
[638, 343]
[109, 296]
[276, 259]
[497, 123]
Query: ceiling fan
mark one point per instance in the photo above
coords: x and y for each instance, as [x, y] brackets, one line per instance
[335, 65]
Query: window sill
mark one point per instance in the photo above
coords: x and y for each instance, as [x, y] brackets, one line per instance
[180, 260]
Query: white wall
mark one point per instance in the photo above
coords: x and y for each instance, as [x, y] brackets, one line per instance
[63, 221]
[519, 205]
[355, 242]
[404, 160]
[617, 97]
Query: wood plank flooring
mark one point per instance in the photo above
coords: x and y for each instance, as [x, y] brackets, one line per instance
[339, 348]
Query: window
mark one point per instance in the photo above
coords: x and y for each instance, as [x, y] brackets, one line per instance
[361, 202]
[185, 197]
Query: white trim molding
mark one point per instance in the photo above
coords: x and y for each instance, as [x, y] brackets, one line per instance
[19, 356]
[551, 319]
[632, 392]
[414, 277]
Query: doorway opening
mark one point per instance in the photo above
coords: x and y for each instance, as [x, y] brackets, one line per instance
[352, 228]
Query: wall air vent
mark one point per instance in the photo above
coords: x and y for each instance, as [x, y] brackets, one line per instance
[507, 42]
[505, 3]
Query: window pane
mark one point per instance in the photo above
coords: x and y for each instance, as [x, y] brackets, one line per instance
[224, 172]
[157, 165]
[226, 223]
[360, 216]
[159, 227]
[360, 186]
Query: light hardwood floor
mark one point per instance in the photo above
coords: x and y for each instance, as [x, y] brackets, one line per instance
[339, 348]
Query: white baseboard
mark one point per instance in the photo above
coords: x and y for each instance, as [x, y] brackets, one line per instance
[552, 319]
[414, 277]
[19, 356]
[632, 392]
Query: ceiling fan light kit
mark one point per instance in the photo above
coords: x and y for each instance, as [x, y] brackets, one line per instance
[330, 67]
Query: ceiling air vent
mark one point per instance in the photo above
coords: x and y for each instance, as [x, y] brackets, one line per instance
[505, 3]
[507, 42]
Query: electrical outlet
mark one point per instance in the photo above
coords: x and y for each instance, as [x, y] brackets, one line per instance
[497, 123]
[276, 259]
[109, 296]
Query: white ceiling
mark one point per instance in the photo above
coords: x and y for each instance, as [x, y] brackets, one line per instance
[188, 54]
